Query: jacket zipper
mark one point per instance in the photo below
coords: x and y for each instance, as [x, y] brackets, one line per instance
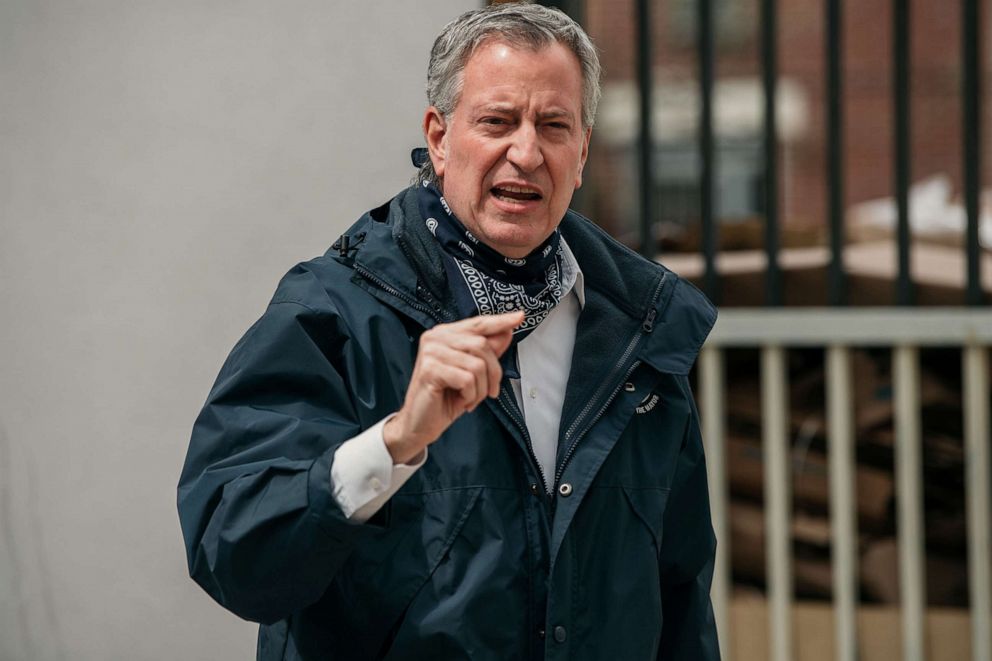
[609, 400]
[647, 326]
[414, 303]
[409, 300]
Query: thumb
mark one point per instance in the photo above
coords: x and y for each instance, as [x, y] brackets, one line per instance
[499, 341]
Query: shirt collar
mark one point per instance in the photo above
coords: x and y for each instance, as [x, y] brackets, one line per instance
[571, 275]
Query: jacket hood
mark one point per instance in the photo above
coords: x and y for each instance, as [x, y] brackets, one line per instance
[636, 290]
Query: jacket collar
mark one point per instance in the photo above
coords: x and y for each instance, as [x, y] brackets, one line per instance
[632, 290]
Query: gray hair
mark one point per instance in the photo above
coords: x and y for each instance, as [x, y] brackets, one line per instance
[521, 25]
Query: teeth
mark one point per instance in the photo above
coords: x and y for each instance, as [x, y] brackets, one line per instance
[516, 189]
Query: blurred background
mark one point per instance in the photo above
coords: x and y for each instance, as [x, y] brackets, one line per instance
[820, 168]
[162, 165]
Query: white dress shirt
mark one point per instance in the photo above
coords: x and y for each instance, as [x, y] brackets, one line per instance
[363, 476]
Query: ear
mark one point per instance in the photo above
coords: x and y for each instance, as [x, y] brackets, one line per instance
[583, 157]
[435, 130]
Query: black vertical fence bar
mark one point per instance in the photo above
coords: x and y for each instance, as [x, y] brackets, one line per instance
[646, 151]
[574, 8]
[576, 11]
[773, 281]
[836, 289]
[971, 134]
[901, 99]
[706, 152]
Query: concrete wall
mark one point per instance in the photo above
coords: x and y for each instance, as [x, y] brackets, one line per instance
[161, 165]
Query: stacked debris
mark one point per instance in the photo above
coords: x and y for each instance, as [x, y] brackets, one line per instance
[941, 416]
[938, 263]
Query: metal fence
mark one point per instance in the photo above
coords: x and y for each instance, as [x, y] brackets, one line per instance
[905, 331]
[971, 96]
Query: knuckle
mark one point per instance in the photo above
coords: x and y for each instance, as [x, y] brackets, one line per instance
[437, 332]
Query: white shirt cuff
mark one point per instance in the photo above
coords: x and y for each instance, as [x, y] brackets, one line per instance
[363, 476]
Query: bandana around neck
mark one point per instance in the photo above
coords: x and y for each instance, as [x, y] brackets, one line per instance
[484, 281]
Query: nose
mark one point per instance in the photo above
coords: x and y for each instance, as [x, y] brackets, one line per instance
[525, 148]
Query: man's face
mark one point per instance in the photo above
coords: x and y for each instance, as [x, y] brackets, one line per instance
[511, 153]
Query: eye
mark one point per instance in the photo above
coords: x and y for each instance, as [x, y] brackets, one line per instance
[558, 125]
[494, 121]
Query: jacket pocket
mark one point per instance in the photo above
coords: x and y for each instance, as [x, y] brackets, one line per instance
[384, 574]
[444, 515]
[648, 504]
[617, 574]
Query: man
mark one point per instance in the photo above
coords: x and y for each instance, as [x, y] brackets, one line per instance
[466, 432]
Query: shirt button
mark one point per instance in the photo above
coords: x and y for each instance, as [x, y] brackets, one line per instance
[560, 634]
[376, 484]
[532, 393]
[540, 634]
[533, 488]
[565, 489]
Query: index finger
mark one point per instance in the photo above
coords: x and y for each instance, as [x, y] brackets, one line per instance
[494, 324]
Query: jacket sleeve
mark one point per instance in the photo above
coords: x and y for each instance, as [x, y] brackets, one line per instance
[264, 534]
[687, 556]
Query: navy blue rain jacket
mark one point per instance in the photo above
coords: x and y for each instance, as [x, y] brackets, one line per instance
[471, 558]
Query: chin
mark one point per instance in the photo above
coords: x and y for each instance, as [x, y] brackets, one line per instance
[510, 235]
[517, 244]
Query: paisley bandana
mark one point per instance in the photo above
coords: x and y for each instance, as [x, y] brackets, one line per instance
[486, 282]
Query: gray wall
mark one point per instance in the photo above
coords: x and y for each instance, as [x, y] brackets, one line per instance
[161, 165]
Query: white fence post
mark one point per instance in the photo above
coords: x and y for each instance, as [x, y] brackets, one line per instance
[712, 389]
[909, 501]
[778, 497]
[843, 512]
[975, 369]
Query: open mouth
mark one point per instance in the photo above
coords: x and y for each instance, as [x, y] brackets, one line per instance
[515, 194]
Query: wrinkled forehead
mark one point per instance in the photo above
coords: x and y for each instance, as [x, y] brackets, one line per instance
[517, 42]
[554, 50]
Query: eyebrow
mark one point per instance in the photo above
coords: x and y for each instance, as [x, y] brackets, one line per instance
[504, 109]
[501, 109]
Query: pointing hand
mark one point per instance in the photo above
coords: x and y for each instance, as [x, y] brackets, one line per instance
[457, 367]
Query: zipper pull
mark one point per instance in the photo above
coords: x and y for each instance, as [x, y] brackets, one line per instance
[344, 245]
[648, 324]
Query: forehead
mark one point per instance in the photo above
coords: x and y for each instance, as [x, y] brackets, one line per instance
[501, 70]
